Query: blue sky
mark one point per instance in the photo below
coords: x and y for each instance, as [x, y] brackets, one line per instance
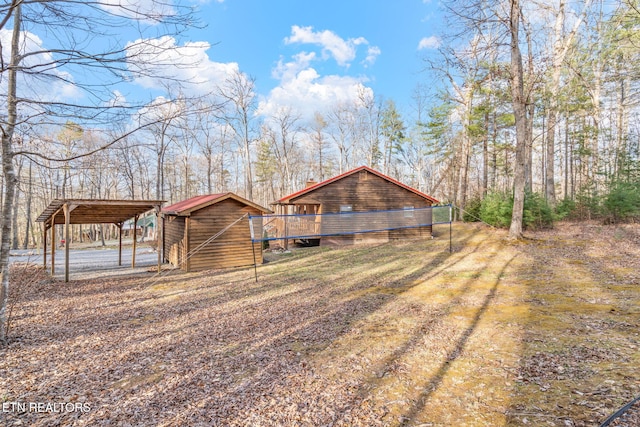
[265, 36]
[305, 55]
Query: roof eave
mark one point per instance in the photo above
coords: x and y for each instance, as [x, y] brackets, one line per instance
[221, 198]
[288, 200]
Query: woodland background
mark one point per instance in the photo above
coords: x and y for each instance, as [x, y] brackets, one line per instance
[457, 144]
[536, 96]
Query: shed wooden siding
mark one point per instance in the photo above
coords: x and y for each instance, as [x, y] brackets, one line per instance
[230, 249]
[175, 248]
[365, 191]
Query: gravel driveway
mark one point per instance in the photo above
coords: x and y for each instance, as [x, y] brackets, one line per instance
[87, 263]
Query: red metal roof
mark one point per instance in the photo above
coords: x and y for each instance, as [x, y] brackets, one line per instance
[287, 199]
[191, 203]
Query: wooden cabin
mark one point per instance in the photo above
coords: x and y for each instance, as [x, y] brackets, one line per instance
[359, 190]
[190, 223]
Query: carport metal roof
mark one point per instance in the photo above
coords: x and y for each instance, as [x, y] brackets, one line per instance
[93, 211]
[96, 211]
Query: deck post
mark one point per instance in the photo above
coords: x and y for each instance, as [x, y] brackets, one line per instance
[253, 247]
[286, 231]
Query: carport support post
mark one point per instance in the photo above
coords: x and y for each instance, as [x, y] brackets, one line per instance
[66, 241]
[119, 244]
[159, 236]
[135, 240]
[44, 253]
[53, 245]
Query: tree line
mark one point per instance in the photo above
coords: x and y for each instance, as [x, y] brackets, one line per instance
[534, 101]
[579, 89]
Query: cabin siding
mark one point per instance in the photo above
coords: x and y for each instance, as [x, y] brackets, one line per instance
[233, 248]
[365, 191]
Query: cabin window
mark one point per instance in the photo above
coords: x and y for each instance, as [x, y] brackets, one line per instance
[346, 208]
[408, 211]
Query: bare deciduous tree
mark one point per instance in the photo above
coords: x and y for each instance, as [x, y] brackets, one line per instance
[561, 46]
[239, 96]
[319, 144]
[74, 28]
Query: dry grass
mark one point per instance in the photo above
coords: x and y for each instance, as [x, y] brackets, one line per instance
[540, 332]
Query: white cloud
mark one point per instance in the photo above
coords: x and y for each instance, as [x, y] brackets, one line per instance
[159, 109]
[46, 81]
[289, 70]
[156, 60]
[432, 42]
[308, 92]
[343, 51]
[117, 99]
[303, 90]
[372, 54]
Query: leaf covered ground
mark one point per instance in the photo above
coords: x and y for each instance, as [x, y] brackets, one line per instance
[538, 332]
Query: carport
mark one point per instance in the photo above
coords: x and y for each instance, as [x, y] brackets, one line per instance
[92, 211]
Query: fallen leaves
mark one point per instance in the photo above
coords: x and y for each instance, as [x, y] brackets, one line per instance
[397, 334]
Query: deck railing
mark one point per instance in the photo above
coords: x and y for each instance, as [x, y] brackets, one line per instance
[302, 226]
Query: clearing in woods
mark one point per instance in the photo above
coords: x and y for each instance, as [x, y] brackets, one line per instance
[539, 332]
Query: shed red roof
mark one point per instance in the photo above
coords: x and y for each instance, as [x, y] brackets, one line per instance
[287, 199]
[193, 202]
[187, 206]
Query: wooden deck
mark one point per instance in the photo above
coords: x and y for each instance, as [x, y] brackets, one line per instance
[306, 226]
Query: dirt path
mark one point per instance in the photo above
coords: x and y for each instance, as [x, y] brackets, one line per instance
[542, 332]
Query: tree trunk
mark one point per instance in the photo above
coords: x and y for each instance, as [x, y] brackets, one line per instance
[530, 111]
[465, 178]
[14, 219]
[7, 169]
[517, 91]
[209, 171]
[621, 144]
[485, 155]
[160, 172]
[549, 179]
[560, 48]
[566, 158]
[247, 167]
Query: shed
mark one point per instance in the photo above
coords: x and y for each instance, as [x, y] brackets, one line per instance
[359, 190]
[210, 231]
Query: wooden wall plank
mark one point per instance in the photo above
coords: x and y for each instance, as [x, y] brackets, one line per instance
[365, 191]
[174, 239]
[231, 249]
